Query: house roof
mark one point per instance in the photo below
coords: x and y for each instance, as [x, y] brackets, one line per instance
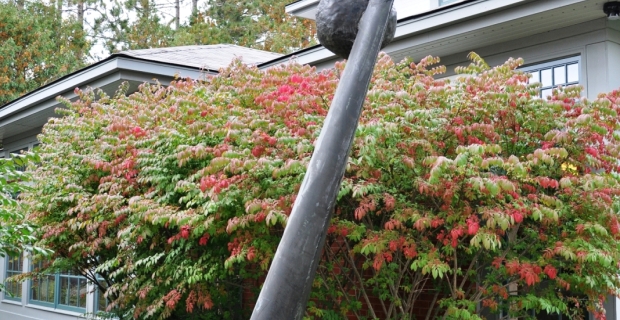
[452, 29]
[32, 110]
[211, 57]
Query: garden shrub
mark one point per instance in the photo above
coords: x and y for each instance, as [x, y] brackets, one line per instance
[459, 196]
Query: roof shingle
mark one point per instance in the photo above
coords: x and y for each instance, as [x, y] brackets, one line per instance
[212, 57]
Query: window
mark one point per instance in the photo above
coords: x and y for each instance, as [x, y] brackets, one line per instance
[60, 291]
[14, 266]
[552, 74]
[446, 2]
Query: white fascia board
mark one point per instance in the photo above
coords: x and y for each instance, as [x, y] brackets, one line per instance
[446, 23]
[91, 75]
[306, 56]
[421, 30]
[416, 32]
[315, 56]
[452, 15]
[69, 84]
[51, 102]
[303, 8]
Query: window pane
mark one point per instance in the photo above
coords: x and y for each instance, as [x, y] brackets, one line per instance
[51, 288]
[72, 291]
[102, 302]
[64, 291]
[559, 75]
[546, 93]
[545, 78]
[13, 288]
[573, 72]
[43, 289]
[82, 290]
[535, 77]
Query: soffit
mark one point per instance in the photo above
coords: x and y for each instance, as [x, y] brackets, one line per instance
[32, 110]
[443, 34]
[527, 19]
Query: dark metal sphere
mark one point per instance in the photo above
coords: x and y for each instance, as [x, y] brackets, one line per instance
[337, 24]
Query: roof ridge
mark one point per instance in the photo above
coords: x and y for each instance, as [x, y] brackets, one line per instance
[177, 48]
[152, 51]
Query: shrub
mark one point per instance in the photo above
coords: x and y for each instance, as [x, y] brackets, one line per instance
[458, 196]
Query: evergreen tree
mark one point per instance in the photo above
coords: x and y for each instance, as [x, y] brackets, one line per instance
[36, 47]
[133, 24]
[261, 24]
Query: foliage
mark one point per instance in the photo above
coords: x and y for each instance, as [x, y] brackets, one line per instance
[16, 235]
[260, 24]
[35, 48]
[123, 25]
[459, 197]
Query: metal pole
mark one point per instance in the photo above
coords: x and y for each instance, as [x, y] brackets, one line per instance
[289, 281]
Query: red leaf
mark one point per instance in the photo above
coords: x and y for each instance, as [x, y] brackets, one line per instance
[551, 271]
[472, 225]
[258, 151]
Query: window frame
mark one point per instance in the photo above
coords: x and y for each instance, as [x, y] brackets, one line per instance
[551, 65]
[18, 285]
[57, 300]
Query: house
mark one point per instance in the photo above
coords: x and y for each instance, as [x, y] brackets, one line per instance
[562, 42]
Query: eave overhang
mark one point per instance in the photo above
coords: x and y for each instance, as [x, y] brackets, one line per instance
[33, 109]
[466, 26]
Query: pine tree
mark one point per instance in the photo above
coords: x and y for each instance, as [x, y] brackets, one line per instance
[36, 47]
[133, 24]
[261, 24]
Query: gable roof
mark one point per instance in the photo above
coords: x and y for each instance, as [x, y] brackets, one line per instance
[32, 110]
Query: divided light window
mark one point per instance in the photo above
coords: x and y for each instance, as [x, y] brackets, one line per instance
[14, 266]
[60, 291]
[550, 75]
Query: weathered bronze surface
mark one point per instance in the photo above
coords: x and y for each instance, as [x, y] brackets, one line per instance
[337, 22]
[286, 290]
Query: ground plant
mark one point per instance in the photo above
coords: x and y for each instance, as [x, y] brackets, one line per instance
[462, 198]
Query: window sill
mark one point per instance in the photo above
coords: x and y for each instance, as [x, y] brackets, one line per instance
[60, 311]
[7, 301]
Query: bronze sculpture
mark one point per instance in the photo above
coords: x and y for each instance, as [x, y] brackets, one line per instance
[286, 290]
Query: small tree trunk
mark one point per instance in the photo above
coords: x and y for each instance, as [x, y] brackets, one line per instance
[194, 9]
[177, 20]
[80, 13]
[59, 4]
[80, 18]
